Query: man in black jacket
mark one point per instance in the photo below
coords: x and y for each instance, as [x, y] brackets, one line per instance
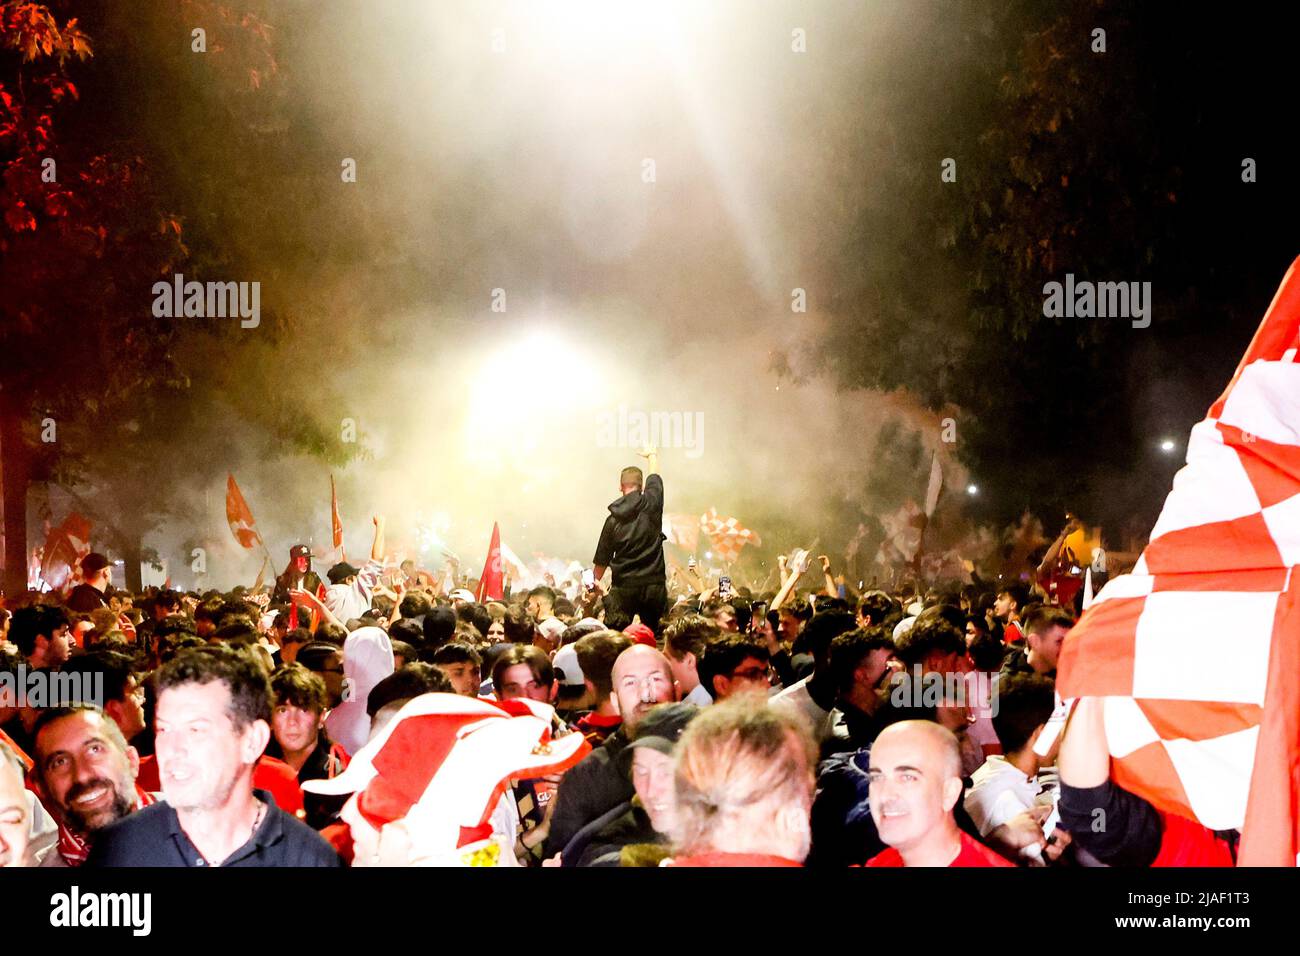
[642, 679]
[631, 545]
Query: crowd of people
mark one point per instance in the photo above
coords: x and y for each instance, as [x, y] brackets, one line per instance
[382, 720]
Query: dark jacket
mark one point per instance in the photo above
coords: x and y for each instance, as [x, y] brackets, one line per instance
[1017, 662]
[631, 543]
[153, 837]
[628, 824]
[598, 784]
[310, 582]
[321, 810]
[85, 598]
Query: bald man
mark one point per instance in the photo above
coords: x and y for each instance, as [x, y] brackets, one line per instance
[642, 678]
[15, 811]
[915, 781]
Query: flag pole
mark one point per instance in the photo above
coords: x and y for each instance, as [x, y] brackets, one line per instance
[266, 550]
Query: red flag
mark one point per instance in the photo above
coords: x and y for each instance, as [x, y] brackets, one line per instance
[64, 548]
[727, 534]
[240, 518]
[1217, 743]
[336, 523]
[491, 583]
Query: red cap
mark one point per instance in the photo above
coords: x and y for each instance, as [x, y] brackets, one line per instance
[641, 633]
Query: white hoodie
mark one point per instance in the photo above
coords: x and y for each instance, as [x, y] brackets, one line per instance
[367, 659]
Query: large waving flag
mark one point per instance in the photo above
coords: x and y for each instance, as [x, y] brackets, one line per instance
[491, 583]
[1197, 651]
[727, 535]
[239, 515]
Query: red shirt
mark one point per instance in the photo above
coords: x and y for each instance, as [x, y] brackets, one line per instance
[1187, 843]
[269, 774]
[1012, 633]
[973, 853]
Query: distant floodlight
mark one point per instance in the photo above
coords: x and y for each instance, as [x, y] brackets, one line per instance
[708, 555]
[972, 489]
[1167, 445]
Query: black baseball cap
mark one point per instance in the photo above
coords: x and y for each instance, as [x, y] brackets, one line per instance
[662, 727]
[341, 571]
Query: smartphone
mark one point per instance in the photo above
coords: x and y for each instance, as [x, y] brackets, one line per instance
[691, 563]
[758, 613]
[724, 588]
[588, 579]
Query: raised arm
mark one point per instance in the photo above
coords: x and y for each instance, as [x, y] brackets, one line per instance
[377, 547]
[787, 586]
[831, 589]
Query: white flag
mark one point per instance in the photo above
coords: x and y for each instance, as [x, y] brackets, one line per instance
[936, 482]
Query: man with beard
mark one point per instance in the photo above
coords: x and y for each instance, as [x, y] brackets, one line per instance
[642, 678]
[15, 811]
[212, 723]
[85, 774]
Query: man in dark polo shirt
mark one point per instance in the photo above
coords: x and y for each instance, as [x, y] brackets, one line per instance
[212, 724]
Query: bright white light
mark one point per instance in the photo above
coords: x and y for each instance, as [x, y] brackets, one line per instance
[525, 386]
[972, 489]
[708, 554]
[1167, 445]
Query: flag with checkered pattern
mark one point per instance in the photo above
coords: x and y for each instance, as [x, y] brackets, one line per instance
[1197, 651]
[727, 535]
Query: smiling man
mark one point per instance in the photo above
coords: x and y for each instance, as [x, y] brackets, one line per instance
[15, 811]
[915, 781]
[213, 722]
[641, 679]
[85, 773]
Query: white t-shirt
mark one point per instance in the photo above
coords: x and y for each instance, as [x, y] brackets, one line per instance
[347, 601]
[999, 791]
[796, 697]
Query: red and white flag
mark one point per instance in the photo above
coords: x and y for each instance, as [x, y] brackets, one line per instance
[491, 583]
[239, 516]
[682, 530]
[1196, 653]
[336, 523]
[65, 546]
[727, 535]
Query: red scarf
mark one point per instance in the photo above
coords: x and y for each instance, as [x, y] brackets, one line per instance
[74, 849]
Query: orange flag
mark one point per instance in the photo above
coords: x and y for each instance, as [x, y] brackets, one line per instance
[491, 582]
[240, 518]
[336, 523]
